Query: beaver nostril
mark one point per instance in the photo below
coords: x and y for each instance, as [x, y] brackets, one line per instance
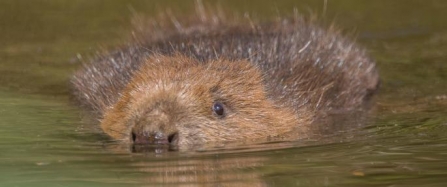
[173, 137]
[134, 137]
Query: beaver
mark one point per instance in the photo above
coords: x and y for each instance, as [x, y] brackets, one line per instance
[213, 79]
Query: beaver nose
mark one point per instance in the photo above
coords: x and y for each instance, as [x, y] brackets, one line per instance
[155, 138]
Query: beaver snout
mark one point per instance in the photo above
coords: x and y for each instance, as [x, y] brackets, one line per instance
[154, 138]
[156, 126]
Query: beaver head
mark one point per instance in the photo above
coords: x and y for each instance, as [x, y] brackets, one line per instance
[181, 101]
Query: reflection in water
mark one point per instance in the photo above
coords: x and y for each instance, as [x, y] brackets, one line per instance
[236, 171]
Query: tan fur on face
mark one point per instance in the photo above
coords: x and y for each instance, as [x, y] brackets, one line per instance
[176, 94]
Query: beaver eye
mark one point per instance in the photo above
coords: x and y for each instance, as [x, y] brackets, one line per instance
[218, 108]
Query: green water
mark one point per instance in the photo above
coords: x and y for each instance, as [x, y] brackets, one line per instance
[45, 142]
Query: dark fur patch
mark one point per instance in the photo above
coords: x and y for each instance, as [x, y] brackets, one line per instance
[302, 64]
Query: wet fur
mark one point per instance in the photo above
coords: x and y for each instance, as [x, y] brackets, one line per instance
[303, 69]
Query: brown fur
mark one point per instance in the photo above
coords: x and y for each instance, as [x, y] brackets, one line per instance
[182, 91]
[273, 78]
